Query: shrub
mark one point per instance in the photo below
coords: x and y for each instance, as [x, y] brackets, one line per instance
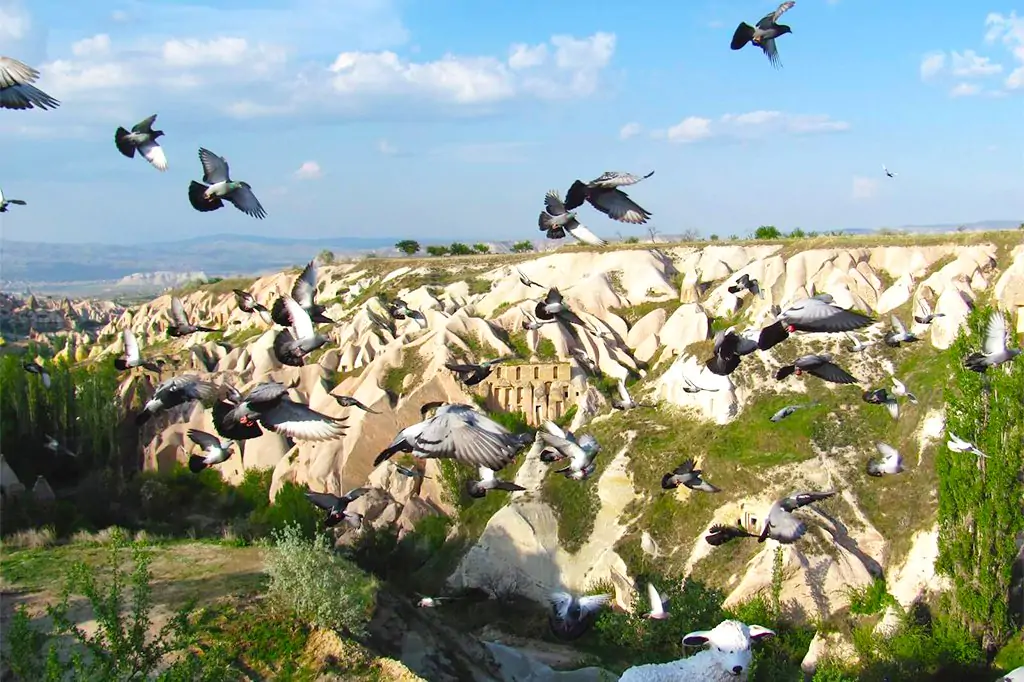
[408, 246]
[522, 247]
[767, 232]
[546, 350]
[435, 250]
[870, 599]
[323, 588]
[459, 249]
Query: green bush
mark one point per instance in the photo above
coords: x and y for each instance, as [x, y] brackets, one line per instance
[767, 232]
[870, 599]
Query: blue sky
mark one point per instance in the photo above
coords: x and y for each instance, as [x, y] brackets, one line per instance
[451, 118]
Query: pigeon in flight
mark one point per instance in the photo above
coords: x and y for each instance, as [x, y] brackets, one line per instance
[556, 220]
[6, 203]
[247, 303]
[220, 187]
[745, 282]
[132, 357]
[180, 326]
[728, 349]
[407, 472]
[788, 410]
[881, 396]
[899, 333]
[603, 194]
[526, 280]
[142, 138]
[488, 481]
[239, 417]
[553, 306]
[686, 474]
[890, 463]
[176, 391]
[456, 432]
[531, 323]
[780, 524]
[900, 389]
[336, 506]
[820, 366]
[432, 602]
[33, 367]
[816, 314]
[545, 452]
[16, 89]
[625, 400]
[858, 345]
[572, 616]
[54, 446]
[888, 172]
[304, 293]
[581, 454]
[926, 316]
[215, 451]
[472, 374]
[349, 401]
[764, 34]
[291, 346]
[658, 605]
[400, 310]
[690, 387]
[994, 350]
[958, 444]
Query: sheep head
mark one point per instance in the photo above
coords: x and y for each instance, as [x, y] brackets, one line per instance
[730, 640]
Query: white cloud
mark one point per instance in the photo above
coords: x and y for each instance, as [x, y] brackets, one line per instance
[932, 64]
[386, 148]
[309, 170]
[630, 130]
[120, 16]
[864, 188]
[523, 56]
[752, 124]
[97, 46]
[964, 90]
[970, 64]
[1009, 30]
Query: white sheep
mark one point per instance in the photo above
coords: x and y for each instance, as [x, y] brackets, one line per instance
[728, 657]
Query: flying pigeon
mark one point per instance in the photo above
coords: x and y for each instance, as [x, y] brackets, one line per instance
[745, 282]
[247, 303]
[553, 306]
[820, 366]
[349, 401]
[531, 323]
[33, 367]
[685, 474]
[16, 89]
[881, 396]
[219, 188]
[456, 432]
[526, 280]
[899, 333]
[5, 203]
[603, 194]
[132, 357]
[487, 482]
[215, 451]
[994, 351]
[728, 349]
[572, 616]
[816, 314]
[291, 346]
[400, 310]
[267, 404]
[336, 506]
[585, 361]
[764, 34]
[788, 410]
[891, 462]
[545, 452]
[926, 316]
[304, 293]
[472, 374]
[780, 524]
[380, 322]
[176, 391]
[625, 400]
[958, 444]
[180, 326]
[580, 453]
[900, 389]
[409, 473]
[143, 138]
[52, 445]
[690, 387]
[556, 220]
[658, 604]
[888, 172]
[858, 345]
[432, 602]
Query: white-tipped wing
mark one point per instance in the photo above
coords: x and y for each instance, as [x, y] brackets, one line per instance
[593, 602]
[554, 429]
[154, 153]
[926, 309]
[583, 234]
[246, 202]
[618, 206]
[995, 334]
[617, 179]
[888, 452]
[898, 387]
[657, 604]
[302, 324]
[215, 168]
[304, 289]
[459, 432]
[178, 312]
[203, 439]
[566, 447]
[299, 421]
[623, 393]
[894, 408]
[485, 474]
[897, 325]
[131, 346]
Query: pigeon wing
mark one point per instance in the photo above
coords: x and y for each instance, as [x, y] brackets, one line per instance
[304, 289]
[833, 373]
[816, 314]
[782, 9]
[468, 437]
[246, 202]
[13, 72]
[560, 602]
[553, 203]
[617, 205]
[215, 168]
[995, 335]
[592, 603]
[583, 234]
[623, 393]
[203, 439]
[887, 451]
[323, 500]
[611, 179]
[302, 324]
[897, 325]
[768, 47]
[131, 346]
[301, 422]
[657, 605]
[178, 312]
[145, 125]
[154, 153]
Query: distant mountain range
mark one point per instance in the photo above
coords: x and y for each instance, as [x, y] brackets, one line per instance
[92, 269]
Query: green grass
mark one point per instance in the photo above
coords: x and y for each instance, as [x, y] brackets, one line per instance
[412, 365]
[635, 313]
[546, 350]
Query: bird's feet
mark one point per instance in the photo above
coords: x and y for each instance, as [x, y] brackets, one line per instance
[245, 421]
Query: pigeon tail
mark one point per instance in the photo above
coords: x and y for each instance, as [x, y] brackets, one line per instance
[976, 362]
[541, 313]
[151, 366]
[743, 35]
[669, 482]
[142, 417]
[196, 464]
[197, 197]
[772, 335]
[123, 145]
[120, 364]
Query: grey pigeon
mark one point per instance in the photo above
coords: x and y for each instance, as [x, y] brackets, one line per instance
[526, 280]
[180, 325]
[545, 452]
[247, 303]
[900, 389]
[531, 323]
[409, 473]
[729, 347]
[787, 411]
[690, 387]
[176, 391]
[581, 454]
[142, 138]
[336, 507]
[304, 293]
[215, 451]
[994, 350]
[745, 282]
[888, 172]
[603, 194]
[686, 474]
[488, 481]
[400, 310]
[472, 374]
[240, 417]
[553, 307]
[54, 446]
[132, 356]
[291, 346]
[899, 333]
[958, 444]
[764, 34]
[820, 365]
[890, 463]
[585, 361]
[432, 602]
[625, 400]
[6, 203]
[858, 345]
[349, 401]
[33, 367]
[926, 316]
[881, 396]
[780, 524]
[816, 314]
[16, 89]
[572, 616]
[220, 187]
[658, 605]
[556, 220]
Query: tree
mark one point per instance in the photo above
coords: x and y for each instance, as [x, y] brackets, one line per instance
[408, 246]
[522, 247]
[767, 232]
[325, 257]
[459, 249]
[481, 248]
[979, 498]
[435, 250]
